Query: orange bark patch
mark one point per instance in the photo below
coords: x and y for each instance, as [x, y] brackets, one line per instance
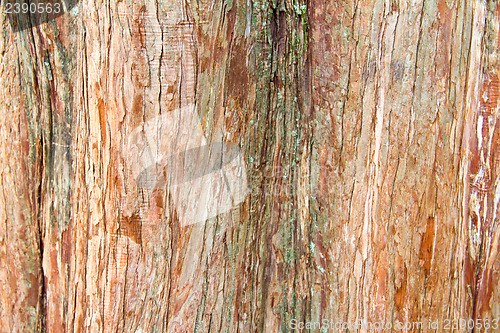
[400, 295]
[102, 118]
[237, 81]
[427, 246]
[484, 296]
[489, 93]
[131, 226]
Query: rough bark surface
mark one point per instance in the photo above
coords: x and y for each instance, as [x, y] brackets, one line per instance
[370, 132]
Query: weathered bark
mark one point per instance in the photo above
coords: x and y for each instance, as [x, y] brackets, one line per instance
[370, 137]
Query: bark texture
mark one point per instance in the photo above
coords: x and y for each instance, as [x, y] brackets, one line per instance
[370, 135]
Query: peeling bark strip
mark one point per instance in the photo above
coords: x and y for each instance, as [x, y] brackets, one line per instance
[346, 155]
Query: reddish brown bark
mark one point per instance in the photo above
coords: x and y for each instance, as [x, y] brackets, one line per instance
[369, 188]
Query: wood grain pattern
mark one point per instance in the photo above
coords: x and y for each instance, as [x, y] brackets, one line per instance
[369, 133]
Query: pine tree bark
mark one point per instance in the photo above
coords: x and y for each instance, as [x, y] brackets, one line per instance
[369, 133]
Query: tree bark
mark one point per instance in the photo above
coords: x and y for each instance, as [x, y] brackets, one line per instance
[362, 185]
